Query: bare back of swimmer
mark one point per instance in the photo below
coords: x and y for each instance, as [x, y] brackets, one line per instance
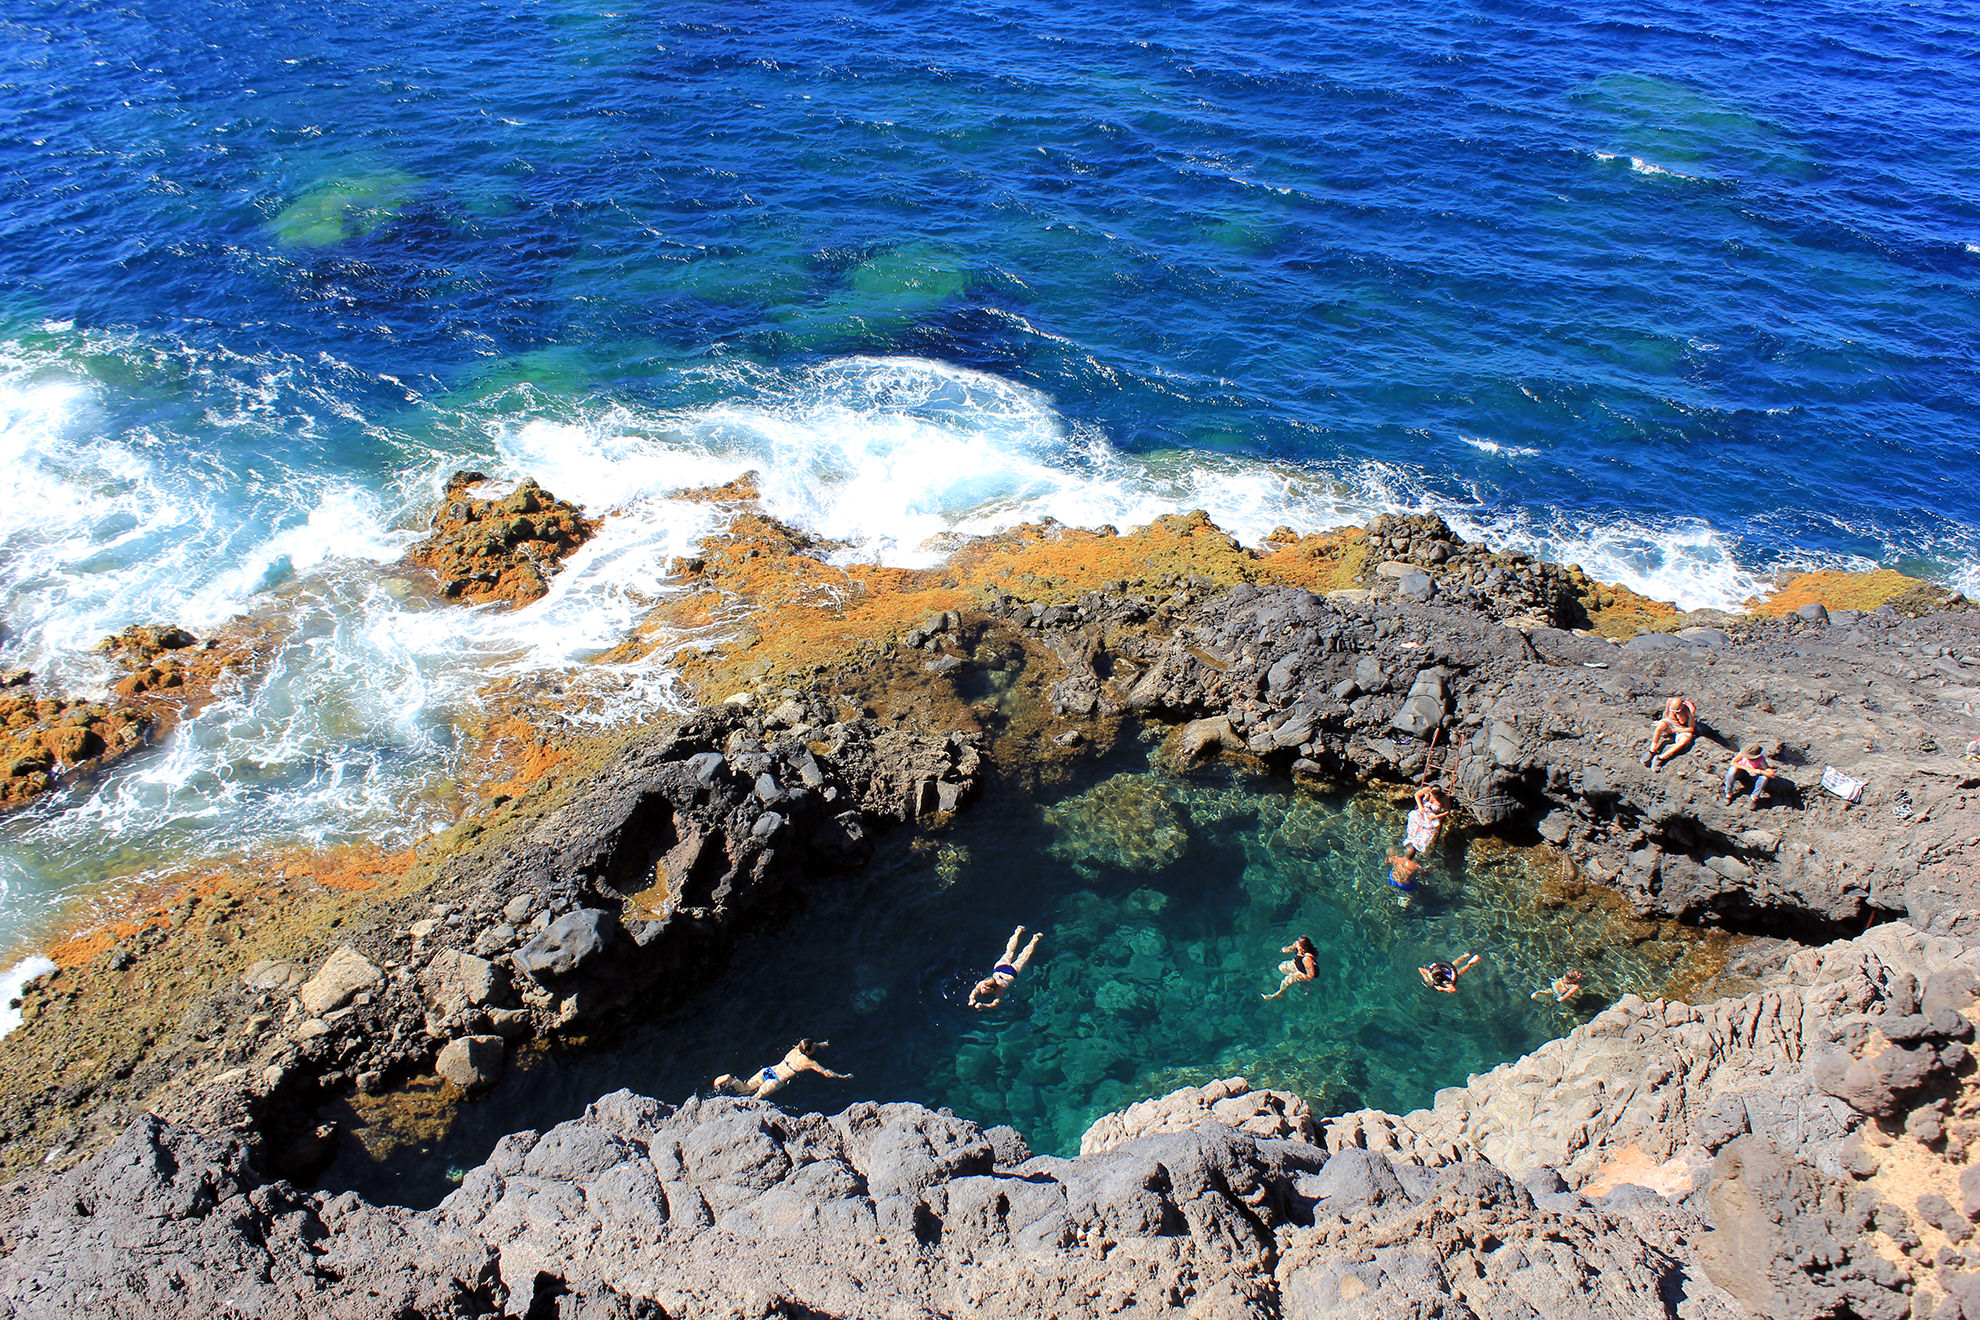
[761, 1083]
[989, 992]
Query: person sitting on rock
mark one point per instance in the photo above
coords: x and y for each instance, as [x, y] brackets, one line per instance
[802, 1058]
[1443, 976]
[1428, 818]
[1304, 965]
[1565, 987]
[1680, 722]
[989, 992]
[1751, 761]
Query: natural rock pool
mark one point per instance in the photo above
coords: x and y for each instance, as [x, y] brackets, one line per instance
[1165, 898]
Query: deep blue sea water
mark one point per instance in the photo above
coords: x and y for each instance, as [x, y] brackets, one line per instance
[1685, 292]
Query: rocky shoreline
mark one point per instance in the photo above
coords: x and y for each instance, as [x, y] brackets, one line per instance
[1611, 1173]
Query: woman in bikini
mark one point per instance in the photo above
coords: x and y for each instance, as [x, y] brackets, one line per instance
[801, 1059]
[1443, 976]
[1304, 965]
[1680, 722]
[989, 992]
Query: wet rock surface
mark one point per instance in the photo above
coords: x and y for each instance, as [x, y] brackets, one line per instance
[504, 548]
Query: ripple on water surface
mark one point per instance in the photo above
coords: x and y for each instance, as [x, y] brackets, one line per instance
[1164, 899]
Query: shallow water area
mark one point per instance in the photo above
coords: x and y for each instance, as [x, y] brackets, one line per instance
[1164, 899]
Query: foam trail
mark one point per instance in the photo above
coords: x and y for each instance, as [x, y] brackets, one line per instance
[12, 982]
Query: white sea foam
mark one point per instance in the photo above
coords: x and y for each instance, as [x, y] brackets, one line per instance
[351, 723]
[1495, 448]
[12, 981]
[1639, 165]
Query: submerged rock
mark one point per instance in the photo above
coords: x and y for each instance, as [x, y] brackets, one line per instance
[1128, 822]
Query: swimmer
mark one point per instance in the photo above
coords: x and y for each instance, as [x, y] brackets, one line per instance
[1565, 987]
[1304, 965]
[802, 1058]
[1403, 871]
[989, 992]
[1680, 722]
[1443, 976]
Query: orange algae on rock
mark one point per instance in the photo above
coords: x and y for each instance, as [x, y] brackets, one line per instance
[1838, 590]
[1618, 613]
[761, 598]
[500, 549]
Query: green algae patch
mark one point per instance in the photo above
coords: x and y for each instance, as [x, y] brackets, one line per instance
[340, 209]
[1128, 822]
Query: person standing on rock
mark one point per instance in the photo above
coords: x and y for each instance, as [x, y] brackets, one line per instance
[1443, 976]
[1304, 965]
[989, 992]
[1680, 722]
[801, 1059]
[1751, 761]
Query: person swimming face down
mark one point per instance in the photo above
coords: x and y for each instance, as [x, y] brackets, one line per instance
[989, 992]
[802, 1058]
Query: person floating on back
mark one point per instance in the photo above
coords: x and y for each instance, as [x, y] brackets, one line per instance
[802, 1058]
[1443, 976]
[989, 992]
[1680, 722]
[1565, 987]
[1304, 965]
[1751, 761]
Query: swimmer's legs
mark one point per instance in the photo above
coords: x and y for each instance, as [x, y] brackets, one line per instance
[1010, 949]
[1020, 960]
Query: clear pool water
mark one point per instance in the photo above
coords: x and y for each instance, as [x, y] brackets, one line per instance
[1165, 900]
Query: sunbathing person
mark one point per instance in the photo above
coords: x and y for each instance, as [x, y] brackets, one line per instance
[989, 992]
[1443, 976]
[1680, 722]
[1565, 987]
[1752, 762]
[802, 1058]
[1304, 965]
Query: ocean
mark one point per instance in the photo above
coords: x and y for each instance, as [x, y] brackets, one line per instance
[1686, 294]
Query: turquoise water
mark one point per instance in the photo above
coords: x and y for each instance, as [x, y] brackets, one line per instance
[1164, 900]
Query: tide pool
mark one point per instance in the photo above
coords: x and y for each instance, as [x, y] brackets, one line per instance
[1164, 899]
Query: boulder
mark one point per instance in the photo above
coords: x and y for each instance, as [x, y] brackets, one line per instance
[569, 942]
[472, 1062]
[344, 975]
[455, 981]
